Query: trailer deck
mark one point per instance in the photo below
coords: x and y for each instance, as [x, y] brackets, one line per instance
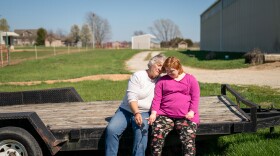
[96, 114]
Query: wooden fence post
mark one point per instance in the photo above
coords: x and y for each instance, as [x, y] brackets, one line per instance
[36, 52]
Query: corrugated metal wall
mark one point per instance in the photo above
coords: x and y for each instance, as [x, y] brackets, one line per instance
[241, 25]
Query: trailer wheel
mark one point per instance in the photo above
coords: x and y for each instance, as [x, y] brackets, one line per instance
[15, 141]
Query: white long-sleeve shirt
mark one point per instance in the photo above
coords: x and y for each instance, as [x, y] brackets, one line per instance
[141, 89]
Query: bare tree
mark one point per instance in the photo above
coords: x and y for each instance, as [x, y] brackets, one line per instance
[50, 36]
[75, 34]
[31, 37]
[165, 30]
[100, 28]
[60, 33]
[137, 33]
[85, 35]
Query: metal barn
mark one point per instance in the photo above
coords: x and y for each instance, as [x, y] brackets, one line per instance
[241, 25]
[146, 41]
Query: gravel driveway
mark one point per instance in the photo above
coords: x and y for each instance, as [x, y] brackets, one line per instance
[263, 75]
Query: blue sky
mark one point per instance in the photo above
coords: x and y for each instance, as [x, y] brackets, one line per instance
[124, 16]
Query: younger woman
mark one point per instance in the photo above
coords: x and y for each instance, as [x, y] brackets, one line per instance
[175, 105]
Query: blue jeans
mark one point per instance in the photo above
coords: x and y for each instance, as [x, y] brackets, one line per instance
[116, 127]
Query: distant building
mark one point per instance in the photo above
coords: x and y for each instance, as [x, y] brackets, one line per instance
[56, 42]
[26, 36]
[107, 45]
[7, 38]
[146, 41]
[116, 45]
[182, 45]
[2, 42]
[241, 25]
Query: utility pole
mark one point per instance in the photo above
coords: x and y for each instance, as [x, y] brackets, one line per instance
[8, 47]
[2, 64]
[93, 26]
[1, 48]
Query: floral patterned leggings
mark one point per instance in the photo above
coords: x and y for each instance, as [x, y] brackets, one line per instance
[163, 125]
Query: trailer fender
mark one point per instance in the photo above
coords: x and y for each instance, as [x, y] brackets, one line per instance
[35, 123]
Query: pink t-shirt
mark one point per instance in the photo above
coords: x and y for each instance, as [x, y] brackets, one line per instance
[175, 99]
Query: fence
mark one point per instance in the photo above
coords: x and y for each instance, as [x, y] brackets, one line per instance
[20, 54]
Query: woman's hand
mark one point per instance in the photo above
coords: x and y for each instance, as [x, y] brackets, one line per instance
[190, 115]
[138, 119]
[152, 118]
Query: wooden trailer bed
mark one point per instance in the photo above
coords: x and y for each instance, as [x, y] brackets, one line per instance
[96, 114]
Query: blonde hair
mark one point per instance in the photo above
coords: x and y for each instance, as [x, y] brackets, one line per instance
[173, 62]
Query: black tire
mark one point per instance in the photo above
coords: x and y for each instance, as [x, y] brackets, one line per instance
[18, 141]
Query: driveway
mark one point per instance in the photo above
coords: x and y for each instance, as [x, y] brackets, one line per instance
[262, 75]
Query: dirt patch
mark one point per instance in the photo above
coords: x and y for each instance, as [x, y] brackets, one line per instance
[112, 77]
[266, 66]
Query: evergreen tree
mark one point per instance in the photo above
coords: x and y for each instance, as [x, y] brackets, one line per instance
[41, 36]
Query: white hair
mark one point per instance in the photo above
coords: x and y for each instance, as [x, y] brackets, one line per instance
[156, 59]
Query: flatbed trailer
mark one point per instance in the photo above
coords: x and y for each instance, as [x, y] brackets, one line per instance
[59, 120]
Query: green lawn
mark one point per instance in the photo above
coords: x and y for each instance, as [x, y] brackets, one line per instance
[68, 66]
[198, 59]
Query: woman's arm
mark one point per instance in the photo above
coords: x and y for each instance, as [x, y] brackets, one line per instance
[157, 97]
[133, 89]
[156, 102]
[135, 110]
[195, 95]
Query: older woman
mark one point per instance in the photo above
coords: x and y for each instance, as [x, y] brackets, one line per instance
[175, 106]
[134, 109]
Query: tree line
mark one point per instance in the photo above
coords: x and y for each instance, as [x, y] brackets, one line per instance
[96, 30]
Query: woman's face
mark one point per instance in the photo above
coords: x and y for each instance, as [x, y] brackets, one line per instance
[156, 69]
[172, 72]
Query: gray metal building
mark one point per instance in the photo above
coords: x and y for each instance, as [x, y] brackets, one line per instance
[241, 25]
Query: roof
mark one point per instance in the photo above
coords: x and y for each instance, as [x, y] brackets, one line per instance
[183, 42]
[154, 40]
[150, 35]
[10, 34]
[211, 6]
[19, 31]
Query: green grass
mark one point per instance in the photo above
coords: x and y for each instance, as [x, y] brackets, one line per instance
[88, 90]
[28, 52]
[252, 144]
[148, 57]
[259, 143]
[114, 90]
[198, 59]
[68, 66]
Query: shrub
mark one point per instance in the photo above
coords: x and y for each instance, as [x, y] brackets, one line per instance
[254, 57]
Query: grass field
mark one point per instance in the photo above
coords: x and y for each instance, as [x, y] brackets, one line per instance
[219, 60]
[73, 65]
[68, 66]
